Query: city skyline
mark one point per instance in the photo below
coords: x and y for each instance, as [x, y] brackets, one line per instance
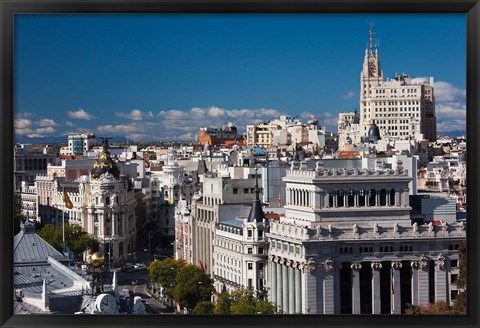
[162, 77]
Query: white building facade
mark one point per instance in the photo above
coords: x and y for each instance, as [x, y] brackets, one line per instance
[347, 245]
[401, 107]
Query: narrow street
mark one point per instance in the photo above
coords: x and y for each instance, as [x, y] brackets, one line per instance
[137, 283]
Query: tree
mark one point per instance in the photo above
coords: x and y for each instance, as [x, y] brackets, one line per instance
[460, 304]
[223, 303]
[52, 235]
[76, 238]
[192, 286]
[165, 272]
[265, 307]
[439, 307]
[243, 301]
[204, 307]
[18, 219]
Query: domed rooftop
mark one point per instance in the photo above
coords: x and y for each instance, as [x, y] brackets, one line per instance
[105, 163]
[373, 132]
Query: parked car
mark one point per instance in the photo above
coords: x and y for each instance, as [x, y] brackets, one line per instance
[128, 267]
[140, 266]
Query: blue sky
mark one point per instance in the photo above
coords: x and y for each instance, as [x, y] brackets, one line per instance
[162, 77]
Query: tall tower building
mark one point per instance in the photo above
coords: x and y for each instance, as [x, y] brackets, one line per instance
[401, 107]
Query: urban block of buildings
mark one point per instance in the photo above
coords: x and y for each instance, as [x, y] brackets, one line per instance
[363, 220]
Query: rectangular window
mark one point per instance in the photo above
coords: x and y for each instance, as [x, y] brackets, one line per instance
[250, 250]
[249, 233]
[235, 190]
[250, 266]
[453, 278]
[260, 250]
[245, 190]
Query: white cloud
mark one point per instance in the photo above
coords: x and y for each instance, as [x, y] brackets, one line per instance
[77, 131]
[47, 129]
[45, 122]
[68, 123]
[174, 114]
[135, 115]
[136, 136]
[23, 131]
[80, 114]
[35, 135]
[446, 92]
[349, 95]
[450, 107]
[22, 123]
[122, 128]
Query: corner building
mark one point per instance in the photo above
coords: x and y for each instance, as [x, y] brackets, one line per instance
[347, 246]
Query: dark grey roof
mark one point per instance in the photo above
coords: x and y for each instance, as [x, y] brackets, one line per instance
[21, 280]
[28, 247]
[374, 132]
[256, 212]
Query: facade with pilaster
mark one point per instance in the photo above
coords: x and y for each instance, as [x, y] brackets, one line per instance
[347, 245]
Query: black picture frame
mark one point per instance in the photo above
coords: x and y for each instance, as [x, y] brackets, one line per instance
[8, 8]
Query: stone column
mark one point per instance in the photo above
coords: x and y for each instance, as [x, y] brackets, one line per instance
[396, 305]
[406, 197]
[376, 302]
[329, 296]
[291, 288]
[273, 279]
[298, 289]
[113, 222]
[441, 279]
[423, 281]
[309, 287]
[285, 294]
[356, 287]
[279, 283]
[415, 267]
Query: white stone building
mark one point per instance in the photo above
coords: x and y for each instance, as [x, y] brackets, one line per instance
[240, 252]
[347, 245]
[103, 203]
[401, 107]
[30, 161]
[222, 198]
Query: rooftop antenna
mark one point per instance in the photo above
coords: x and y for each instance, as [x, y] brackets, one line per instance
[371, 36]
